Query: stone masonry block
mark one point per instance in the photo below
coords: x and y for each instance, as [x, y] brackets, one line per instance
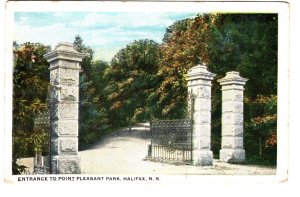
[201, 142]
[232, 130]
[69, 76]
[65, 146]
[233, 95]
[64, 111]
[65, 128]
[232, 118]
[68, 145]
[202, 130]
[232, 155]
[64, 93]
[67, 164]
[203, 92]
[232, 106]
[202, 117]
[69, 93]
[202, 157]
[202, 104]
[232, 142]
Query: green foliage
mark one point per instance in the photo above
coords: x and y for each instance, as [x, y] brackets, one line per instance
[246, 43]
[260, 130]
[93, 105]
[178, 26]
[30, 88]
[133, 81]
[184, 47]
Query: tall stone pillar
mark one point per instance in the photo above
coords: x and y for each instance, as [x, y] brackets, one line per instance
[199, 86]
[64, 99]
[232, 118]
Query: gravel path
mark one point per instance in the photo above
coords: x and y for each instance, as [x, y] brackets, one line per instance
[123, 152]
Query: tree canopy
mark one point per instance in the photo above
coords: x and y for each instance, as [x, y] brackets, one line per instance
[133, 80]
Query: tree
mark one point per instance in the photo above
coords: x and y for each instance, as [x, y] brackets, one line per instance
[133, 82]
[261, 134]
[185, 46]
[247, 43]
[93, 103]
[30, 90]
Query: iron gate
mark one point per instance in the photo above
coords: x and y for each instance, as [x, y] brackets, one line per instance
[42, 163]
[171, 141]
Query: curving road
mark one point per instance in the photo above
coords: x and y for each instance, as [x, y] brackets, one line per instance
[124, 151]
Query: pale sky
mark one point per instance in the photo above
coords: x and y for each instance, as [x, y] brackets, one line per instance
[105, 32]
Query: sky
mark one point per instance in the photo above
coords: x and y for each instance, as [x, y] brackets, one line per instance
[105, 32]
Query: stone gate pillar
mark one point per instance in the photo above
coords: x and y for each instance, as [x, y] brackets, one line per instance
[64, 99]
[232, 118]
[199, 87]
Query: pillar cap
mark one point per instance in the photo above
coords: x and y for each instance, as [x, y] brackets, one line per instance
[64, 50]
[200, 72]
[233, 77]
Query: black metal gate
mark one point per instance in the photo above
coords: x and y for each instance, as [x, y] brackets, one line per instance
[171, 141]
[42, 125]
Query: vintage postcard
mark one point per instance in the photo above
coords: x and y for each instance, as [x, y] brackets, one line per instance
[146, 92]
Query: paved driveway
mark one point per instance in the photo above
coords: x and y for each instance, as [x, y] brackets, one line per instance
[124, 152]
